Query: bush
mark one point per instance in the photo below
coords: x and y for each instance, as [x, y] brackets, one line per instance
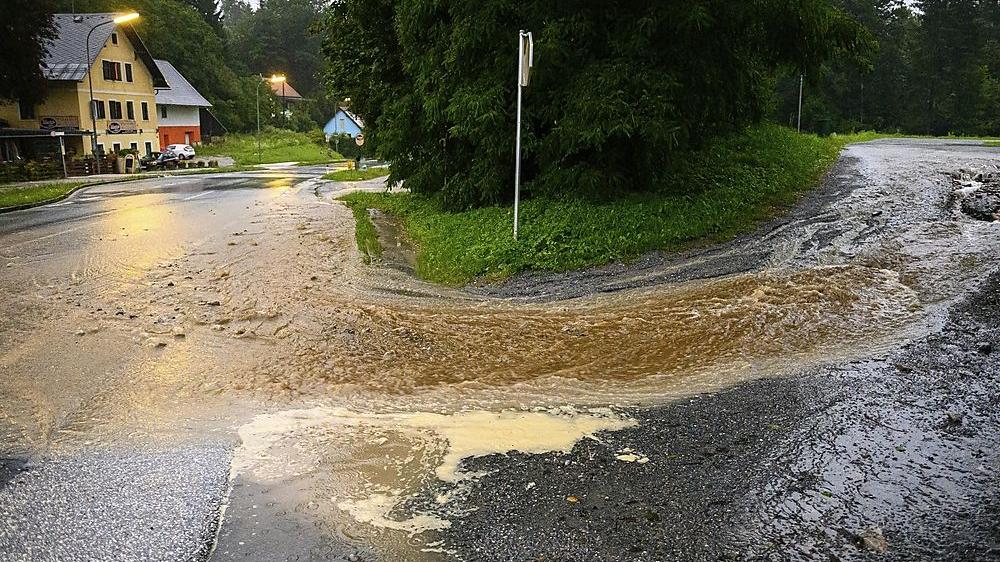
[29, 170]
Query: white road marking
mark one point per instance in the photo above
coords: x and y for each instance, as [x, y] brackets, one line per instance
[197, 195]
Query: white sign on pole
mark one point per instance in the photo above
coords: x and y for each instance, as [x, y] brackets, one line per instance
[525, 60]
[527, 54]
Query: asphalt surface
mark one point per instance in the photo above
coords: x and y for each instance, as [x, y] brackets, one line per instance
[143, 326]
[84, 475]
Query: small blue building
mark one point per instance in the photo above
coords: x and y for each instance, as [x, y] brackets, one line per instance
[343, 122]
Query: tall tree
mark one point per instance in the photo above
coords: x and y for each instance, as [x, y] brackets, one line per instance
[278, 37]
[210, 12]
[25, 30]
[619, 86]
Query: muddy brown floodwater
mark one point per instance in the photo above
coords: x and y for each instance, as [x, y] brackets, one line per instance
[160, 317]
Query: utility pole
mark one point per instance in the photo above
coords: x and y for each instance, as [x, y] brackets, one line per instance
[525, 60]
[801, 81]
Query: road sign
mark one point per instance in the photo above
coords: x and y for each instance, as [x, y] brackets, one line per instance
[360, 139]
[526, 53]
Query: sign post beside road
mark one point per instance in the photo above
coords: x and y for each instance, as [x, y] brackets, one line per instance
[525, 60]
[62, 149]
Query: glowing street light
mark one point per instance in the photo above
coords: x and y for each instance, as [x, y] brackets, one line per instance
[274, 79]
[125, 18]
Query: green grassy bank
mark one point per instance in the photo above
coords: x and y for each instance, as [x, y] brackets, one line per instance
[712, 194]
[276, 146]
[356, 175]
[28, 194]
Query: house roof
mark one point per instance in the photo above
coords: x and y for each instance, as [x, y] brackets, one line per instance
[180, 92]
[289, 91]
[357, 120]
[67, 54]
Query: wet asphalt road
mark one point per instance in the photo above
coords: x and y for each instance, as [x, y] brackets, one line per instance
[70, 489]
[117, 440]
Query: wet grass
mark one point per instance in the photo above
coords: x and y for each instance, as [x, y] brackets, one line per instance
[357, 175]
[712, 194]
[276, 146]
[35, 193]
[365, 234]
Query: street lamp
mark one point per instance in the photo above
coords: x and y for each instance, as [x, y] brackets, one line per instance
[117, 20]
[274, 79]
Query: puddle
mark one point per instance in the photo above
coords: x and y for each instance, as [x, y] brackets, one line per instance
[368, 465]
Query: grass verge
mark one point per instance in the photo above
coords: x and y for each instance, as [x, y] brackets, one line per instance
[276, 146]
[28, 194]
[364, 233]
[356, 175]
[712, 194]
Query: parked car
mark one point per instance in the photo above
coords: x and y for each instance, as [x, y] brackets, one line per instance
[160, 160]
[183, 151]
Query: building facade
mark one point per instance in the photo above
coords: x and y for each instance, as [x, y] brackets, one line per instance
[343, 122]
[178, 109]
[124, 78]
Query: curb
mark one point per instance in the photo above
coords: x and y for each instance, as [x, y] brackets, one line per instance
[67, 194]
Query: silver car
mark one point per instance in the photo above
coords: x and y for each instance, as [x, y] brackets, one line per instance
[183, 151]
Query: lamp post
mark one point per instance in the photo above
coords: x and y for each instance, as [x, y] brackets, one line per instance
[117, 20]
[274, 79]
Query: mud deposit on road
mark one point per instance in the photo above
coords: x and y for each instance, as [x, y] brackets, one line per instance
[890, 458]
[373, 409]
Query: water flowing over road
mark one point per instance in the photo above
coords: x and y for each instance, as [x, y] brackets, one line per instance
[203, 367]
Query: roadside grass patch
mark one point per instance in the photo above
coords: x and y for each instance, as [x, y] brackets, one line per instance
[356, 175]
[712, 194]
[365, 234]
[277, 145]
[28, 194]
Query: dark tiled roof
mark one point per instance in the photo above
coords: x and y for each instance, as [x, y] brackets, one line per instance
[67, 54]
[181, 92]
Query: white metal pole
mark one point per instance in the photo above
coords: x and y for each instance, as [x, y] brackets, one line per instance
[801, 80]
[517, 165]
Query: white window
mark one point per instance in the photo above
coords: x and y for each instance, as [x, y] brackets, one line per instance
[343, 125]
[112, 70]
[100, 148]
[145, 111]
[163, 112]
[130, 109]
[114, 109]
[114, 38]
[116, 147]
[134, 146]
[149, 148]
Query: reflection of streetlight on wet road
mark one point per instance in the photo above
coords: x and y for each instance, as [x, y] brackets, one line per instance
[274, 79]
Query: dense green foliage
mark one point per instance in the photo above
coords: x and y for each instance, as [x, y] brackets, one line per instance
[276, 145]
[718, 191]
[937, 72]
[356, 175]
[24, 29]
[618, 86]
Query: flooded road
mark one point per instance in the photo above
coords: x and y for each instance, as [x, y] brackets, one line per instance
[221, 335]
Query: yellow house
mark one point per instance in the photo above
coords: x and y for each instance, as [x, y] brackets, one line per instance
[124, 78]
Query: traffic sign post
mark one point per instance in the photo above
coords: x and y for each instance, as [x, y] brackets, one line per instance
[525, 60]
[62, 149]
